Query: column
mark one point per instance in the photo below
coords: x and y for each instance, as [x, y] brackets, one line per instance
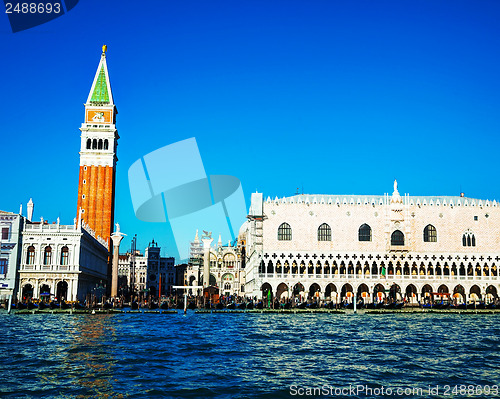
[207, 241]
[116, 238]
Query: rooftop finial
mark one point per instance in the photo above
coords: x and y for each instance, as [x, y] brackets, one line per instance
[104, 48]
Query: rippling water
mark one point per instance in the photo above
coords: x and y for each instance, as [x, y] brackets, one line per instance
[242, 355]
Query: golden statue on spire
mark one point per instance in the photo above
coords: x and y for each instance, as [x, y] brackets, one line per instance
[104, 48]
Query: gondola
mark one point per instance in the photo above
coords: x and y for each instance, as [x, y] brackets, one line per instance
[42, 305]
[312, 305]
[491, 306]
[250, 306]
[231, 306]
[302, 305]
[164, 306]
[153, 305]
[30, 305]
[64, 305]
[241, 306]
[134, 305]
[259, 305]
[78, 306]
[54, 305]
[192, 306]
[219, 306]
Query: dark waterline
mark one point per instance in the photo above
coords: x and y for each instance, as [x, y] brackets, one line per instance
[242, 355]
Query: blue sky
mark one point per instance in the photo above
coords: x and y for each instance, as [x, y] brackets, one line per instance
[333, 97]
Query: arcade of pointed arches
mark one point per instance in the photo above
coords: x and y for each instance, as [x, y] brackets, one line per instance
[417, 270]
[411, 291]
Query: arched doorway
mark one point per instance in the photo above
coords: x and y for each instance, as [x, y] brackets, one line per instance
[427, 292]
[331, 292]
[411, 293]
[27, 292]
[395, 293]
[491, 294]
[298, 291]
[62, 291]
[45, 293]
[363, 293]
[378, 293]
[314, 291]
[282, 292]
[475, 293]
[346, 294]
[267, 294]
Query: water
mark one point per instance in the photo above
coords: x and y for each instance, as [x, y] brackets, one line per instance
[245, 355]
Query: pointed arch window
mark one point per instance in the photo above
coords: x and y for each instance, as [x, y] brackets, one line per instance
[468, 239]
[64, 256]
[365, 233]
[89, 144]
[47, 255]
[30, 256]
[430, 233]
[94, 144]
[398, 238]
[106, 144]
[99, 144]
[284, 232]
[324, 233]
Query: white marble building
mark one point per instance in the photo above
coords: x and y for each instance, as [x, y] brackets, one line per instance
[61, 261]
[11, 225]
[337, 246]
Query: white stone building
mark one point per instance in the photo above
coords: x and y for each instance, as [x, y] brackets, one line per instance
[337, 246]
[11, 225]
[61, 261]
[132, 270]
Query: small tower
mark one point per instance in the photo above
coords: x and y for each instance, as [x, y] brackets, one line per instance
[99, 139]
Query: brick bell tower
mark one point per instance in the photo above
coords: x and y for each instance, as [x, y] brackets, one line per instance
[99, 139]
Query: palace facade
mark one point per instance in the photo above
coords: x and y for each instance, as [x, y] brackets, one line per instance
[335, 247]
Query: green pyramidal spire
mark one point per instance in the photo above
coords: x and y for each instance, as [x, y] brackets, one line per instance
[100, 94]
